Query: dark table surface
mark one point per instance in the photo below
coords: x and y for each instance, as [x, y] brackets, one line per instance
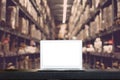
[52, 74]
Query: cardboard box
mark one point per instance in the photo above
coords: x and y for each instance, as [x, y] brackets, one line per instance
[12, 17]
[2, 11]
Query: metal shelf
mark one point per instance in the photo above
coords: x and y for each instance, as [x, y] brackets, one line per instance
[29, 16]
[90, 17]
[109, 31]
[18, 55]
[7, 30]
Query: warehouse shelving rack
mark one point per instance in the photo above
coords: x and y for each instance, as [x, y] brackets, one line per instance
[19, 37]
[111, 33]
[30, 16]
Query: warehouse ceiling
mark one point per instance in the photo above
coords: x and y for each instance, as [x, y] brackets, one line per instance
[60, 8]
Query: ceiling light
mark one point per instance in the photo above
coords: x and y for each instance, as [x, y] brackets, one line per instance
[64, 11]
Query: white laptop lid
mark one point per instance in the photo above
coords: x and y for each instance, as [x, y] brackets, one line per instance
[60, 55]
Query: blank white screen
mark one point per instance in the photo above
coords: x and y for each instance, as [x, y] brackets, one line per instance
[61, 54]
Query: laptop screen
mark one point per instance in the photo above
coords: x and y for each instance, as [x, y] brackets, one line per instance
[61, 55]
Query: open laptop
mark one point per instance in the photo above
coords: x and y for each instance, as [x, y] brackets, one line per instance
[60, 55]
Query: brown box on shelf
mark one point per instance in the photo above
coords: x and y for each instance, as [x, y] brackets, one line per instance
[32, 30]
[84, 34]
[86, 31]
[81, 35]
[87, 11]
[97, 22]
[41, 21]
[101, 21]
[31, 10]
[33, 13]
[105, 23]
[2, 11]
[29, 6]
[23, 25]
[12, 17]
[118, 8]
[110, 15]
[82, 20]
[92, 28]
[38, 35]
[47, 29]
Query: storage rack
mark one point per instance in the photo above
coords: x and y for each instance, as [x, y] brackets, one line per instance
[29, 16]
[19, 37]
[110, 33]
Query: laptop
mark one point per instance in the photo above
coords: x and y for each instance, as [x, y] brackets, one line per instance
[60, 55]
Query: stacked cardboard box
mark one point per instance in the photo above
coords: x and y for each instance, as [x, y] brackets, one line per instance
[23, 25]
[86, 31]
[82, 20]
[62, 31]
[87, 12]
[12, 17]
[92, 29]
[2, 10]
[32, 11]
[118, 8]
[82, 35]
[34, 32]
[110, 15]
[41, 21]
[97, 24]
[46, 28]
[47, 10]
[29, 7]
[100, 20]
[107, 19]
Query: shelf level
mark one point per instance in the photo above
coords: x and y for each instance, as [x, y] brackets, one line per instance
[29, 16]
[7, 30]
[109, 31]
[90, 18]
